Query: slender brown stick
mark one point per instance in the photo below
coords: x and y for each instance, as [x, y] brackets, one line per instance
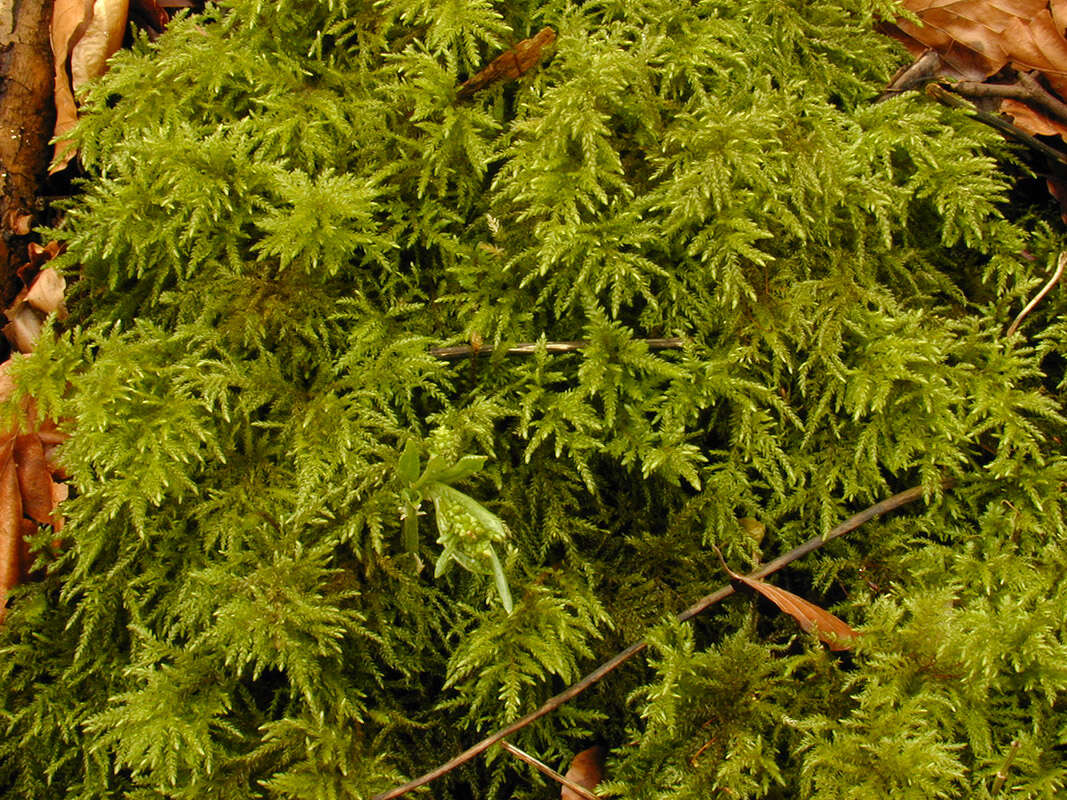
[526, 348]
[1002, 773]
[1040, 295]
[547, 770]
[1042, 96]
[992, 120]
[550, 705]
[923, 69]
[1027, 90]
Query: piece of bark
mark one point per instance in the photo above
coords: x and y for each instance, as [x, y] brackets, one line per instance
[26, 120]
[511, 64]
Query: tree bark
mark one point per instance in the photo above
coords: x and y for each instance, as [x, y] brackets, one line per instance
[26, 119]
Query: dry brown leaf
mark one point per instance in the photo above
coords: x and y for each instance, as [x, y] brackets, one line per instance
[85, 33]
[24, 327]
[46, 293]
[27, 488]
[35, 481]
[42, 253]
[977, 39]
[968, 34]
[10, 523]
[830, 629]
[509, 65]
[60, 492]
[586, 770]
[1031, 120]
[27, 313]
[18, 222]
[1036, 44]
[1058, 9]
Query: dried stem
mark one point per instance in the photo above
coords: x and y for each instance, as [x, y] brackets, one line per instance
[853, 522]
[1002, 773]
[578, 789]
[923, 69]
[527, 348]
[1040, 295]
[945, 97]
[1027, 90]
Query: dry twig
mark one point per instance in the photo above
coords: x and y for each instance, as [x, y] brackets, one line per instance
[947, 98]
[853, 522]
[1002, 773]
[1040, 295]
[528, 348]
[581, 791]
[1028, 90]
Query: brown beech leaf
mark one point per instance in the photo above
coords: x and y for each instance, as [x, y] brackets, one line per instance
[1036, 44]
[509, 65]
[980, 39]
[24, 326]
[46, 293]
[586, 770]
[60, 492]
[968, 34]
[27, 313]
[1031, 120]
[10, 523]
[39, 254]
[35, 481]
[830, 629]
[1058, 9]
[85, 33]
[18, 222]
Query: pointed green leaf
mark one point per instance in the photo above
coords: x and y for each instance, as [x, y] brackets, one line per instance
[501, 581]
[411, 528]
[407, 468]
[465, 467]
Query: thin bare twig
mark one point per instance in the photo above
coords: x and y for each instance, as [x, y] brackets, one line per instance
[1027, 90]
[923, 69]
[547, 770]
[1002, 773]
[945, 97]
[527, 348]
[1042, 96]
[568, 694]
[1040, 295]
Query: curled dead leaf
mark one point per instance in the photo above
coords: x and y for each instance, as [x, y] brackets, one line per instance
[85, 33]
[24, 326]
[17, 222]
[832, 630]
[46, 293]
[586, 770]
[10, 523]
[29, 492]
[35, 481]
[42, 253]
